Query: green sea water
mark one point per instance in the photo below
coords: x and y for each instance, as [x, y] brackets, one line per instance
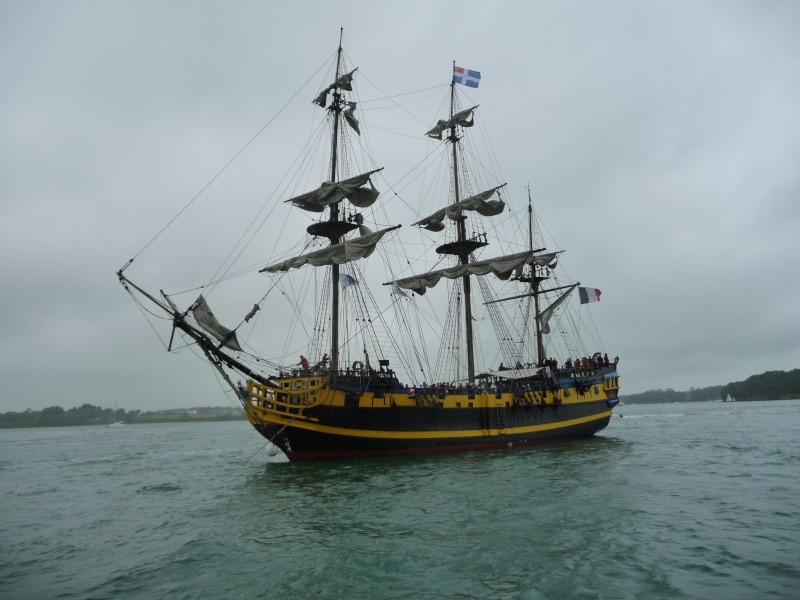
[671, 501]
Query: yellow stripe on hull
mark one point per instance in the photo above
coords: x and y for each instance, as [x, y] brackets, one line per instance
[300, 423]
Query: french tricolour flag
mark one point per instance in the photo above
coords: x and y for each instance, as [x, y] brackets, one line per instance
[466, 77]
[589, 295]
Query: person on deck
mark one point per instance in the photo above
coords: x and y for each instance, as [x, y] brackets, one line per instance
[303, 362]
[605, 359]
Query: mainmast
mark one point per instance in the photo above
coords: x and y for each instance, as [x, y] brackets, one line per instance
[462, 236]
[336, 107]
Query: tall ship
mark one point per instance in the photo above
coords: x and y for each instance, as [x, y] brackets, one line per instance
[422, 319]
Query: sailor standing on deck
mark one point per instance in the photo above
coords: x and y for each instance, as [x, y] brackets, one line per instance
[303, 362]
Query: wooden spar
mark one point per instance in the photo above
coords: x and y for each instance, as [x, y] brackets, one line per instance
[462, 236]
[209, 348]
[528, 295]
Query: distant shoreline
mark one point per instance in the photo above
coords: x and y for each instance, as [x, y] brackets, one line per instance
[89, 416]
[771, 385]
[657, 397]
[631, 401]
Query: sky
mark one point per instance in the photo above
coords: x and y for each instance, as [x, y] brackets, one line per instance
[662, 140]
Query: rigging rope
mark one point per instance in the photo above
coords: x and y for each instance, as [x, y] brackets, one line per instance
[230, 162]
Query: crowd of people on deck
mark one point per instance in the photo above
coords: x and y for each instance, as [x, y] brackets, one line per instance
[596, 361]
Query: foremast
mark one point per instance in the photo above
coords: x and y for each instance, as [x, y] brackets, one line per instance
[214, 339]
[336, 107]
[334, 222]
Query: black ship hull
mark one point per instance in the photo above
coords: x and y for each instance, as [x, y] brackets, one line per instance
[340, 432]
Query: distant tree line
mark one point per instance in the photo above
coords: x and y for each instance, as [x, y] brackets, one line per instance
[772, 385]
[88, 414]
[708, 394]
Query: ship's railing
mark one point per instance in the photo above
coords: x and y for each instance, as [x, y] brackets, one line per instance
[292, 397]
[583, 372]
[311, 388]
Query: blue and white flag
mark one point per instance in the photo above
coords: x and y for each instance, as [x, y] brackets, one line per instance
[346, 280]
[466, 77]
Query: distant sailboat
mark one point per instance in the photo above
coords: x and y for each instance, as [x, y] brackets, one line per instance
[116, 423]
[730, 398]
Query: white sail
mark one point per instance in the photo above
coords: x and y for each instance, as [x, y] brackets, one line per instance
[345, 82]
[544, 316]
[479, 203]
[206, 319]
[349, 114]
[332, 192]
[335, 254]
[502, 267]
[463, 118]
[520, 373]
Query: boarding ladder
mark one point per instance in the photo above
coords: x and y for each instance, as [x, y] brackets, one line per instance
[502, 423]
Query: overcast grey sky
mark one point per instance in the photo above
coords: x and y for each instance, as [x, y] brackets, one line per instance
[661, 139]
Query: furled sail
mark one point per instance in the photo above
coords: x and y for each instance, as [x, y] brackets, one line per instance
[544, 317]
[463, 118]
[502, 267]
[520, 373]
[335, 254]
[330, 192]
[206, 319]
[350, 117]
[343, 83]
[480, 203]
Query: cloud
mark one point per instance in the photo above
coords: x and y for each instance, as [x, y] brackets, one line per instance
[660, 140]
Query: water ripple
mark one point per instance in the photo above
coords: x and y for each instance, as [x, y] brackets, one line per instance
[670, 502]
